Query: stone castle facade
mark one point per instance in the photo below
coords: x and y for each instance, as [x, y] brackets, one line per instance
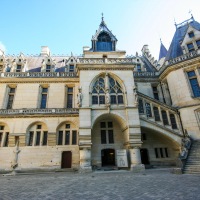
[81, 112]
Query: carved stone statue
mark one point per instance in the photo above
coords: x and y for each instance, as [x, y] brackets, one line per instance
[107, 97]
[135, 95]
[14, 163]
[184, 153]
[79, 97]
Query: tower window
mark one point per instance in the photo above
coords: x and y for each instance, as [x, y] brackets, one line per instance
[191, 34]
[194, 83]
[48, 68]
[18, 68]
[198, 44]
[139, 68]
[190, 47]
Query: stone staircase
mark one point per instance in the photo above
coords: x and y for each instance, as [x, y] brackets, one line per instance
[192, 165]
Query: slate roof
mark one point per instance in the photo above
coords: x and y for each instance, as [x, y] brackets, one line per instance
[175, 49]
[163, 51]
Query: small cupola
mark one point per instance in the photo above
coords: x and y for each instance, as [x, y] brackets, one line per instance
[103, 40]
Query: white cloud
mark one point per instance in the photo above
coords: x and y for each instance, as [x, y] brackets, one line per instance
[2, 47]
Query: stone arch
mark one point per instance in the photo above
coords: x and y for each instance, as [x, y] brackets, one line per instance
[36, 122]
[114, 115]
[37, 134]
[65, 122]
[6, 127]
[174, 138]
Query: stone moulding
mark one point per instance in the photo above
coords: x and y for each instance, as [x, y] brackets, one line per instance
[11, 112]
[38, 74]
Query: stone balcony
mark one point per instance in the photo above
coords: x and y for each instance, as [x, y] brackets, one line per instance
[38, 75]
[37, 111]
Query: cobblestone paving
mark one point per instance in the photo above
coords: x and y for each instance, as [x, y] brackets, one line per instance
[153, 184]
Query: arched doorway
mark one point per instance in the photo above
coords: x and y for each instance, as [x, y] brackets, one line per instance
[108, 157]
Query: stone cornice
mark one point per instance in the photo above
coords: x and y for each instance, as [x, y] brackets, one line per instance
[105, 67]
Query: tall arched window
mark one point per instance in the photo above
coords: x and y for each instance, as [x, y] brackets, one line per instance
[37, 135]
[107, 84]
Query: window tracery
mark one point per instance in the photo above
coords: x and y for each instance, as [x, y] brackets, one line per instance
[107, 90]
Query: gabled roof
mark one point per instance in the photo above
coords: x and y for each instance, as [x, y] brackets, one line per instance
[175, 49]
[163, 51]
[103, 28]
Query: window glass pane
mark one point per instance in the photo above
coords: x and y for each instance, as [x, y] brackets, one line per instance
[69, 100]
[74, 137]
[71, 68]
[67, 137]
[195, 87]
[44, 90]
[103, 124]
[67, 126]
[39, 126]
[1, 127]
[166, 153]
[6, 139]
[10, 101]
[161, 153]
[69, 90]
[44, 142]
[120, 99]
[173, 121]
[156, 152]
[94, 99]
[60, 137]
[110, 137]
[191, 73]
[101, 99]
[156, 114]
[110, 124]
[37, 138]
[103, 136]
[164, 117]
[1, 135]
[30, 142]
[43, 101]
[148, 110]
[12, 90]
[198, 43]
[113, 99]
[141, 107]
[191, 34]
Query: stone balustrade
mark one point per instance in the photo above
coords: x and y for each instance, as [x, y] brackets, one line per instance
[159, 113]
[38, 74]
[106, 61]
[145, 74]
[32, 111]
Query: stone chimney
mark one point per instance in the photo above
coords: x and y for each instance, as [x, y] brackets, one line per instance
[45, 51]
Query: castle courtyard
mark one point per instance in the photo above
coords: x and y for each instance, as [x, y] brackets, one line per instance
[153, 184]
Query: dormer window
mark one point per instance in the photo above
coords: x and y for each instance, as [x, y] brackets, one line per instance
[71, 68]
[198, 44]
[18, 68]
[139, 68]
[191, 34]
[48, 68]
[190, 47]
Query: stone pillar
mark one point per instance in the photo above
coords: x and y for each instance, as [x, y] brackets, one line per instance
[135, 160]
[85, 159]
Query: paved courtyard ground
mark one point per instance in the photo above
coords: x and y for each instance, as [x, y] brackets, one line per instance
[153, 184]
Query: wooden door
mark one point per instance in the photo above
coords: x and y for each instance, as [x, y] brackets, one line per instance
[66, 159]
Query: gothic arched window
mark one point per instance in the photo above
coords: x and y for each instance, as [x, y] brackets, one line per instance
[110, 86]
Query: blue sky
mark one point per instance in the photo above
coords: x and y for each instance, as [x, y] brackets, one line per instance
[66, 26]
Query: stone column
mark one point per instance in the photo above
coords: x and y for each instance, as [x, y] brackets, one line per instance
[85, 159]
[135, 160]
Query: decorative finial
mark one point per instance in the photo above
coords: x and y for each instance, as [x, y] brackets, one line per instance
[190, 12]
[175, 23]
[102, 18]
